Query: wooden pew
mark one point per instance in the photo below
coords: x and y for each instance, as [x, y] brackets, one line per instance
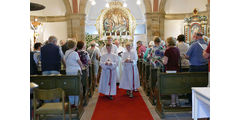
[139, 65]
[93, 78]
[184, 69]
[85, 83]
[143, 75]
[90, 91]
[146, 78]
[71, 84]
[177, 83]
[152, 83]
[92, 83]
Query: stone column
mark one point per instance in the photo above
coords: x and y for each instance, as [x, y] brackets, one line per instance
[149, 26]
[69, 27]
[76, 26]
[161, 23]
[82, 27]
[156, 25]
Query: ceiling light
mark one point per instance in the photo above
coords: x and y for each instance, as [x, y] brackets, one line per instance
[124, 4]
[93, 3]
[138, 2]
[107, 5]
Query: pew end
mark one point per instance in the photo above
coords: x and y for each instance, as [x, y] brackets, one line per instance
[71, 84]
[177, 83]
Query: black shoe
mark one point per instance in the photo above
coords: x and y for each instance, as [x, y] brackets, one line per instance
[110, 97]
[128, 92]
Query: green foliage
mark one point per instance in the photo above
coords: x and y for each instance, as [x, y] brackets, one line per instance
[90, 38]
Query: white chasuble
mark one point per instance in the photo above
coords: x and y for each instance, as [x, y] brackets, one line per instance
[108, 77]
[130, 75]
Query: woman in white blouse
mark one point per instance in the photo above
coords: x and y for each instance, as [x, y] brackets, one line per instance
[183, 48]
[73, 65]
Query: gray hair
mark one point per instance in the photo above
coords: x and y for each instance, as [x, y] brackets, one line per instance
[52, 39]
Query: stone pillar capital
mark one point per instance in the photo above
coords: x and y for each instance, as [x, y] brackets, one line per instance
[76, 26]
[76, 16]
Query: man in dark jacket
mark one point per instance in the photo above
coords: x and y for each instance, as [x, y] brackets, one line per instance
[51, 56]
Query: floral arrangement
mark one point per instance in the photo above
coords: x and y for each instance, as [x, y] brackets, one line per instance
[89, 38]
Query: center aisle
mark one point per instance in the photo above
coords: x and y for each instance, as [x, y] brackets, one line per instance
[121, 107]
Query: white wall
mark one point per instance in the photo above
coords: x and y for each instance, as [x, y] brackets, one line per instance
[172, 28]
[141, 37]
[93, 12]
[184, 6]
[58, 29]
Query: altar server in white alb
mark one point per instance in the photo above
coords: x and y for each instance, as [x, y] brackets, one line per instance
[130, 76]
[109, 63]
[120, 51]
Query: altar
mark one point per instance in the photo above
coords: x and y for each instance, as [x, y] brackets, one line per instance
[116, 21]
[195, 24]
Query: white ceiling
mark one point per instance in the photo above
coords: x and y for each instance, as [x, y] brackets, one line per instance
[184, 6]
[52, 8]
[57, 8]
[93, 12]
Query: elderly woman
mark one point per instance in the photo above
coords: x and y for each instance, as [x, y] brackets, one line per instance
[171, 60]
[157, 53]
[94, 54]
[83, 54]
[171, 55]
[148, 51]
[85, 60]
[183, 48]
[130, 76]
[73, 64]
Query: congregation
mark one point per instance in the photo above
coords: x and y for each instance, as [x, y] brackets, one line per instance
[115, 64]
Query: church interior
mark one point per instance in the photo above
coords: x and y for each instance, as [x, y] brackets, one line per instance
[125, 21]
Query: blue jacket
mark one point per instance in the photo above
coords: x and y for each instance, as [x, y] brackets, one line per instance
[50, 57]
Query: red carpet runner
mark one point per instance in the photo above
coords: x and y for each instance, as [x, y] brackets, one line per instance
[121, 108]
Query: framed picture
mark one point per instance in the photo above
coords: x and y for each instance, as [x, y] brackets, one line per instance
[194, 28]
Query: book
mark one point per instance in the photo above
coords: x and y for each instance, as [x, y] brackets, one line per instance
[203, 46]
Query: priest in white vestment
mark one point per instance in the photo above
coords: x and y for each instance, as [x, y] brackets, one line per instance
[120, 51]
[130, 76]
[109, 63]
[113, 49]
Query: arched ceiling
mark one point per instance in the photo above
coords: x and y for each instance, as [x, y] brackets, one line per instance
[52, 8]
[93, 12]
[184, 6]
[57, 7]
